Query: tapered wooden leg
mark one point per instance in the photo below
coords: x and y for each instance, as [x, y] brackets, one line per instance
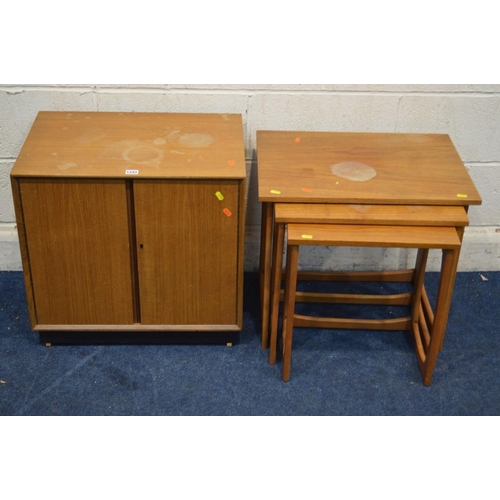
[265, 270]
[277, 259]
[443, 302]
[292, 261]
[418, 283]
[460, 232]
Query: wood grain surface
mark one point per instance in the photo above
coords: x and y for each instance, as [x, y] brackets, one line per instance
[373, 236]
[397, 215]
[188, 251]
[156, 145]
[364, 168]
[78, 250]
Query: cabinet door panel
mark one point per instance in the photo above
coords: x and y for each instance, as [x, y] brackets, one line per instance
[77, 235]
[187, 238]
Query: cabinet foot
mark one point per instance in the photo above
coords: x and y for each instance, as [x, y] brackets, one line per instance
[48, 344]
[229, 344]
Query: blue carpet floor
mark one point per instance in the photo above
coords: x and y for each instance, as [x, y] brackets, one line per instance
[333, 372]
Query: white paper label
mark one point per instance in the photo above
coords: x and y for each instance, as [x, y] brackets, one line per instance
[131, 172]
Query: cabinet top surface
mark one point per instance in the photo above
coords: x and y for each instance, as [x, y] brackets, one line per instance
[133, 145]
[365, 168]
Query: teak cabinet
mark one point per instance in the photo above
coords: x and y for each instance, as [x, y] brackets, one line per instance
[131, 226]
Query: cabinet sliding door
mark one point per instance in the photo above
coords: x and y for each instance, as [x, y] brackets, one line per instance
[187, 251]
[78, 249]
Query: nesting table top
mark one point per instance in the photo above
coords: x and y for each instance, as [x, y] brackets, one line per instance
[364, 168]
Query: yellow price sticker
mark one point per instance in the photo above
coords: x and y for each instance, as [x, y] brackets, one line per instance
[307, 236]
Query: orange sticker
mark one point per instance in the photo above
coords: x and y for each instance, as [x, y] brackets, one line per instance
[297, 139]
[227, 212]
[231, 162]
[307, 190]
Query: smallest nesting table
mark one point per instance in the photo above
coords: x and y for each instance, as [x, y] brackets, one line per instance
[361, 171]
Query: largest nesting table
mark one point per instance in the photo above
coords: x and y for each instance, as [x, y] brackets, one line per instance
[358, 171]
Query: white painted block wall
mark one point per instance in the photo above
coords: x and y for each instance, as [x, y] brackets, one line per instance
[470, 114]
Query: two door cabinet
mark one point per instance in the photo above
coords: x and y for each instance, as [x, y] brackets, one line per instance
[131, 226]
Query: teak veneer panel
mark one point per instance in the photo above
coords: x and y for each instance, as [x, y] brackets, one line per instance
[187, 258]
[410, 169]
[78, 250]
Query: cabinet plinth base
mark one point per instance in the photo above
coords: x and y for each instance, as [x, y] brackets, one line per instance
[131, 338]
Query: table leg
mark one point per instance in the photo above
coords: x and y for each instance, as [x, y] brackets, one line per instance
[292, 260]
[443, 302]
[278, 246]
[418, 283]
[265, 269]
[460, 232]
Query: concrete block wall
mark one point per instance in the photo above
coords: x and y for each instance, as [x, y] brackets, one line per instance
[470, 114]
